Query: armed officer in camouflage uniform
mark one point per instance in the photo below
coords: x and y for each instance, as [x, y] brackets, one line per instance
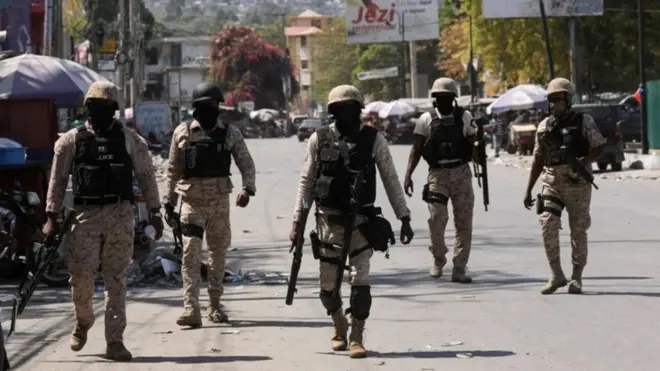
[445, 139]
[333, 151]
[199, 171]
[102, 156]
[564, 132]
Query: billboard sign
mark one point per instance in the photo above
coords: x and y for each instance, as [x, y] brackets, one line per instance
[380, 21]
[494, 9]
[378, 74]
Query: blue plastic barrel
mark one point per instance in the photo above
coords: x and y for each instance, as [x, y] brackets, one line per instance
[13, 156]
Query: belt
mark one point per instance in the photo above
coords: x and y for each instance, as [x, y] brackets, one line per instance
[100, 201]
[449, 165]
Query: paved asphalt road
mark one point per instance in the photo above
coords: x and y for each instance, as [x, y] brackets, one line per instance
[500, 322]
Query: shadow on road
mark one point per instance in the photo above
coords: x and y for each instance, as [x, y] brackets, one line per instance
[275, 323]
[431, 354]
[190, 360]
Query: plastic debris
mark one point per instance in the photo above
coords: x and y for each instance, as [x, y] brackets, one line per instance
[463, 355]
[231, 332]
[451, 344]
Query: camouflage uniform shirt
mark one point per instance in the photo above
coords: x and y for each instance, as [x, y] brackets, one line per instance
[65, 148]
[205, 188]
[563, 173]
[386, 168]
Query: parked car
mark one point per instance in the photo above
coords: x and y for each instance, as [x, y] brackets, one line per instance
[607, 120]
[307, 127]
[629, 122]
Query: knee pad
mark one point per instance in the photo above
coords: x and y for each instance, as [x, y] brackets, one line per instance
[330, 302]
[360, 302]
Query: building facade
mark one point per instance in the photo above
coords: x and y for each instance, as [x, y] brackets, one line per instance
[174, 66]
[300, 41]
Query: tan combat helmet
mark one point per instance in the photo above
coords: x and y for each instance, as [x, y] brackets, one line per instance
[444, 85]
[103, 90]
[345, 93]
[561, 85]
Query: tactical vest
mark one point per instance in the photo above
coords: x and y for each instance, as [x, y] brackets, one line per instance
[206, 157]
[333, 181]
[102, 167]
[566, 135]
[447, 140]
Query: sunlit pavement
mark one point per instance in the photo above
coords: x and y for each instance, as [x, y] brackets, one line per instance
[500, 322]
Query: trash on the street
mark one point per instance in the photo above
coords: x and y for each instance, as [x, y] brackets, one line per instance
[262, 278]
[463, 355]
[451, 344]
[231, 332]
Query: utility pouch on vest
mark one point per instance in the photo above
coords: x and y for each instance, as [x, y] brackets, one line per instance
[316, 244]
[539, 204]
[322, 186]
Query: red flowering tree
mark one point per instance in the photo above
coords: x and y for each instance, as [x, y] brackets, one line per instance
[250, 69]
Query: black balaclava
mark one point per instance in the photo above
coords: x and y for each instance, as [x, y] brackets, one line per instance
[207, 113]
[101, 114]
[347, 117]
[444, 103]
[559, 104]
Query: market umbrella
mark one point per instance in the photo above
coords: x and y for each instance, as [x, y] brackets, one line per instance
[521, 97]
[31, 76]
[396, 108]
[373, 107]
[264, 114]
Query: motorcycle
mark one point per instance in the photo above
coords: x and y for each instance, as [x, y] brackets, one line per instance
[22, 233]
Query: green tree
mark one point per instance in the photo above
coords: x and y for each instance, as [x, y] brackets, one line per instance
[334, 60]
[273, 33]
[379, 56]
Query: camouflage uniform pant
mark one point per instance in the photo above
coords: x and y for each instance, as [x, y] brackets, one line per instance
[456, 185]
[213, 216]
[576, 198]
[360, 264]
[102, 234]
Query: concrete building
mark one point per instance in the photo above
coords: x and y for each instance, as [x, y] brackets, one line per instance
[174, 66]
[301, 43]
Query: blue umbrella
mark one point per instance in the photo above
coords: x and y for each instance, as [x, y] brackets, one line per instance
[521, 97]
[30, 76]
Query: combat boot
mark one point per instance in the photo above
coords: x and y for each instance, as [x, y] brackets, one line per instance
[78, 337]
[575, 286]
[190, 318]
[117, 352]
[436, 268]
[356, 340]
[458, 275]
[339, 340]
[556, 281]
[215, 313]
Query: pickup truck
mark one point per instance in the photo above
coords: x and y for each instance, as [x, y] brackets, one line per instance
[608, 120]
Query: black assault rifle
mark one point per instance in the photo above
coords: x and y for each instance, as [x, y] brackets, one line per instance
[39, 261]
[177, 234]
[297, 249]
[576, 166]
[348, 224]
[479, 160]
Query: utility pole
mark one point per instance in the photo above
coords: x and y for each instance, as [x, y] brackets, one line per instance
[47, 44]
[546, 36]
[572, 28]
[470, 65]
[132, 28]
[641, 49]
[121, 71]
[402, 22]
[413, 69]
